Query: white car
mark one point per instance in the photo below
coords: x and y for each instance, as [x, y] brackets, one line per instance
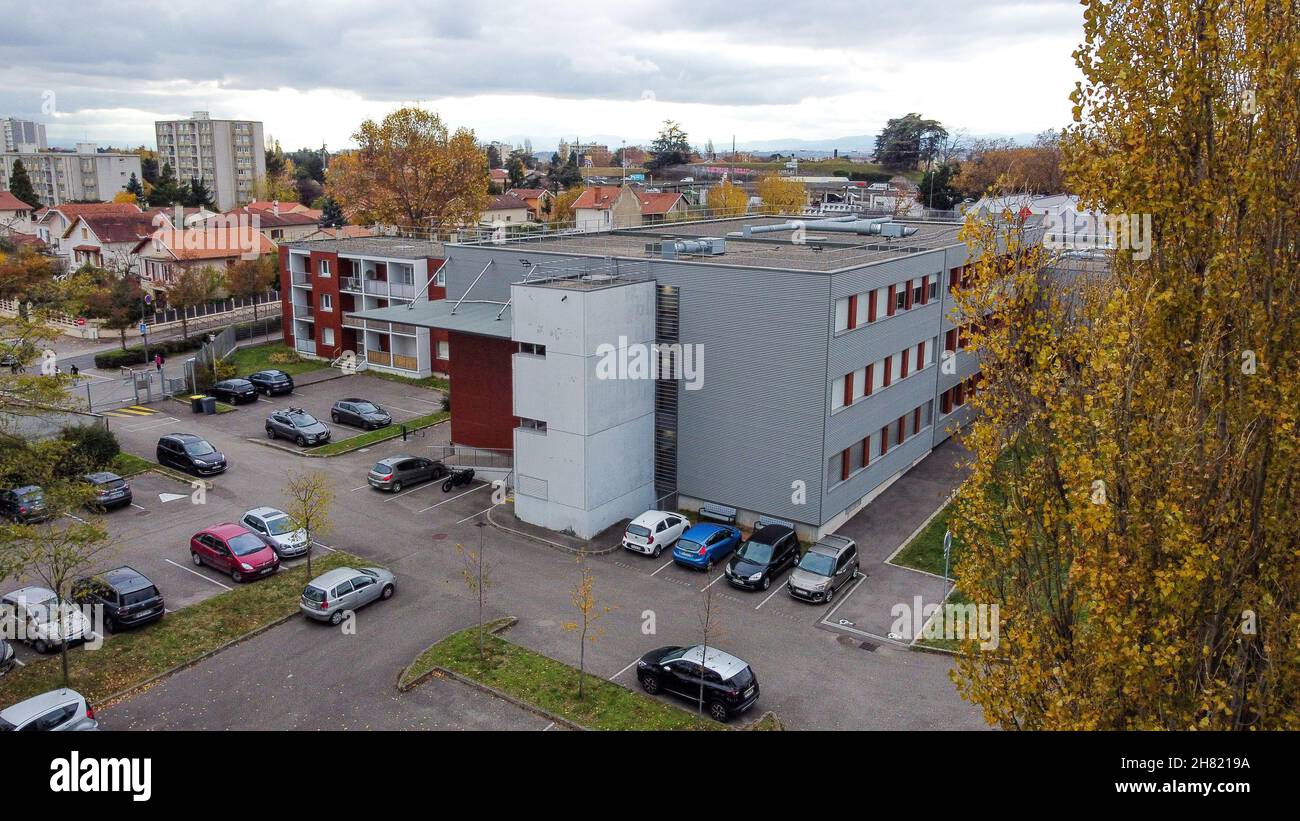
[278, 528]
[654, 531]
[32, 614]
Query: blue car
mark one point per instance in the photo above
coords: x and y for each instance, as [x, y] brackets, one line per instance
[704, 545]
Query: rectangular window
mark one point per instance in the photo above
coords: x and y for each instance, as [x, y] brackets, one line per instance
[532, 348]
[890, 302]
[326, 302]
[866, 451]
[444, 350]
[902, 428]
[852, 318]
[848, 389]
[934, 286]
[532, 424]
[324, 267]
[841, 315]
[862, 317]
[884, 440]
[908, 294]
[440, 278]
[903, 370]
[844, 464]
[837, 394]
[916, 420]
[920, 355]
[902, 298]
[950, 340]
[859, 383]
[945, 401]
[327, 335]
[928, 418]
[869, 382]
[958, 395]
[871, 305]
[954, 278]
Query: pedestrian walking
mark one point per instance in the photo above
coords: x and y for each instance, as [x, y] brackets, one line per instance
[76, 372]
[158, 361]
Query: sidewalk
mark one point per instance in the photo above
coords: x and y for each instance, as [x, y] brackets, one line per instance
[503, 517]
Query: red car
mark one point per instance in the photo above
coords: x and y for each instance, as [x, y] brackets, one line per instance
[234, 549]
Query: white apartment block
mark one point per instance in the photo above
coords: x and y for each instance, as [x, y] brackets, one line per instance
[85, 175]
[228, 155]
[23, 135]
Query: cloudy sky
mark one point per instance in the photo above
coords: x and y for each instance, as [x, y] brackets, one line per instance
[761, 70]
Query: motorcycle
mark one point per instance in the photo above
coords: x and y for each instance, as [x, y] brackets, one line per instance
[458, 478]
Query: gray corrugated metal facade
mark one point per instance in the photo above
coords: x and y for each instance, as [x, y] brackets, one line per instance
[762, 419]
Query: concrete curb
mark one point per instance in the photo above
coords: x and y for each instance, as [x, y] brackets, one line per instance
[135, 688]
[438, 670]
[572, 551]
[307, 454]
[175, 477]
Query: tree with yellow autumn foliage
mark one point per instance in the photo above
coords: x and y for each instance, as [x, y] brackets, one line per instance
[1136, 465]
[411, 170]
[782, 195]
[727, 200]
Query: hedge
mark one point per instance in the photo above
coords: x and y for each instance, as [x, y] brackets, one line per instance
[134, 355]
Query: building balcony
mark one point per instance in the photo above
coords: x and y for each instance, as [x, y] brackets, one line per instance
[307, 346]
[304, 312]
[376, 286]
[402, 290]
[300, 278]
[352, 284]
[406, 363]
[382, 358]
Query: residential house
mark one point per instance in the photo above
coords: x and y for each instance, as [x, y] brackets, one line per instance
[108, 240]
[507, 210]
[169, 252]
[15, 215]
[277, 225]
[659, 207]
[51, 224]
[499, 178]
[605, 207]
[538, 201]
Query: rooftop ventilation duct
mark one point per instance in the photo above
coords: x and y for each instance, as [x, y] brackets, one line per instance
[704, 246]
[849, 224]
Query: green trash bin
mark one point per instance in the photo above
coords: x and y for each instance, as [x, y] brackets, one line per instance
[209, 404]
[196, 403]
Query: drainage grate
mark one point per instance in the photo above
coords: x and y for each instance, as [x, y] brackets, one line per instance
[868, 646]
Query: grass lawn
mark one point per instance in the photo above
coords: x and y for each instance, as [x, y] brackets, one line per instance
[433, 383]
[925, 551]
[941, 643]
[370, 437]
[552, 685]
[258, 358]
[129, 658]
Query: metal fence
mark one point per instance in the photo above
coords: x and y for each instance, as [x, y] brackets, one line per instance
[219, 306]
[462, 456]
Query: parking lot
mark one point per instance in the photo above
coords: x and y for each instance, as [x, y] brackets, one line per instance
[811, 675]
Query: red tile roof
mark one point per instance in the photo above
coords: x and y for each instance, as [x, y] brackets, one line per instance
[8, 202]
[111, 227]
[506, 202]
[599, 197]
[527, 193]
[497, 174]
[209, 242]
[657, 203]
[73, 210]
[269, 219]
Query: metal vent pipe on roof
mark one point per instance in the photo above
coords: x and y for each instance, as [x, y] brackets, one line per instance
[882, 226]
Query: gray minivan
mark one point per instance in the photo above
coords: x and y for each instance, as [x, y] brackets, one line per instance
[396, 472]
[824, 569]
[330, 595]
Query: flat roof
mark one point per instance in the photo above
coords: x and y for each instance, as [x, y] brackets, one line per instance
[478, 318]
[822, 252]
[391, 247]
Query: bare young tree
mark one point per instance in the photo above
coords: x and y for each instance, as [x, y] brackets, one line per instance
[310, 494]
[477, 573]
[709, 619]
[587, 625]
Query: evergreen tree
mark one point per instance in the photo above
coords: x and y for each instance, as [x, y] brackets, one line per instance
[166, 191]
[20, 185]
[198, 195]
[134, 187]
[332, 214]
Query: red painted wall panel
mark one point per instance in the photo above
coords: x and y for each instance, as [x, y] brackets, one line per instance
[481, 391]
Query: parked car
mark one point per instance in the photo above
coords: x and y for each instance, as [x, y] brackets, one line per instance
[36, 615]
[360, 413]
[234, 391]
[56, 710]
[190, 453]
[298, 425]
[730, 686]
[24, 505]
[16, 352]
[653, 531]
[111, 490]
[271, 381]
[234, 549]
[824, 569]
[6, 657]
[704, 545]
[397, 472]
[287, 538]
[764, 555]
[329, 596]
[128, 597]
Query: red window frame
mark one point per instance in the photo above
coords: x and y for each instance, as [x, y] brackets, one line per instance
[887, 377]
[848, 388]
[903, 370]
[907, 296]
[893, 299]
[884, 440]
[945, 401]
[870, 376]
[920, 355]
[866, 451]
[902, 428]
[916, 420]
[871, 307]
[853, 312]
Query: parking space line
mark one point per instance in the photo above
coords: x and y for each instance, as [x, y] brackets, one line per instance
[20, 662]
[480, 513]
[661, 567]
[325, 546]
[548, 726]
[164, 423]
[768, 599]
[137, 507]
[425, 486]
[454, 498]
[624, 670]
[715, 581]
[196, 573]
[78, 518]
[355, 489]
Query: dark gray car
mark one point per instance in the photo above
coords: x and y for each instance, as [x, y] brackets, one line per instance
[298, 425]
[360, 413]
[397, 472]
[24, 505]
[824, 569]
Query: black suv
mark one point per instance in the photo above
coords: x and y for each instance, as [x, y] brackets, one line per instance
[111, 490]
[360, 413]
[729, 685]
[763, 556]
[234, 391]
[190, 453]
[128, 597]
[24, 505]
[272, 381]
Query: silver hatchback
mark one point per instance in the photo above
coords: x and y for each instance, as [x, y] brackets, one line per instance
[330, 596]
[56, 710]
